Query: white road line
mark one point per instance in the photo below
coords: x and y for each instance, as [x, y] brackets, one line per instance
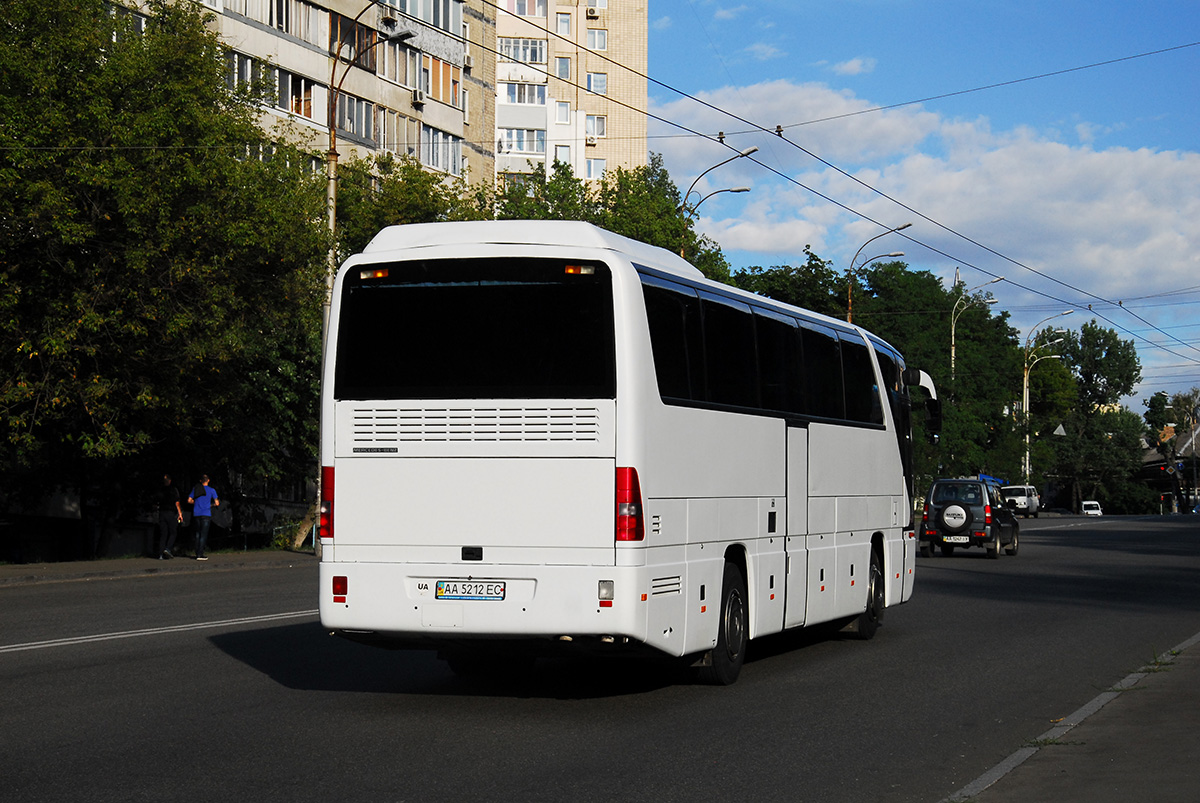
[153, 631]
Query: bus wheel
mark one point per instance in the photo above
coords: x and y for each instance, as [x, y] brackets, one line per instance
[732, 631]
[868, 621]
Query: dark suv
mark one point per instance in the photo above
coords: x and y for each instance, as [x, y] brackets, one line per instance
[965, 513]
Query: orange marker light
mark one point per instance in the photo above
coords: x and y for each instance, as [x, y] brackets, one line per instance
[373, 273]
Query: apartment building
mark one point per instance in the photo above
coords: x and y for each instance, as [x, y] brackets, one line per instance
[563, 92]
[414, 77]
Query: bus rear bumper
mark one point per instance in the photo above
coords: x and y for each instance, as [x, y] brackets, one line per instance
[381, 602]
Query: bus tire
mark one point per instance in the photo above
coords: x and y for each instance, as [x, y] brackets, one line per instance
[732, 631]
[868, 622]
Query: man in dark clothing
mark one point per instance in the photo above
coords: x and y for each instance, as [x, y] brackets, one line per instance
[170, 515]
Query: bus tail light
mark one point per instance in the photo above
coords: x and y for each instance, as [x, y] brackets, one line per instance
[630, 526]
[341, 587]
[326, 502]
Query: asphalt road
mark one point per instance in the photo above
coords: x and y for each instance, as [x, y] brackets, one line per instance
[201, 695]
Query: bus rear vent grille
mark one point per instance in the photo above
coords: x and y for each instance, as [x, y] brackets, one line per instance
[521, 424]
[665, 585]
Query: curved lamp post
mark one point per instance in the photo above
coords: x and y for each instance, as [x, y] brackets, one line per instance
[1025, 382]
[689, 211]
[850, 282]
[331, 156]
[965, 300]
[850, 270]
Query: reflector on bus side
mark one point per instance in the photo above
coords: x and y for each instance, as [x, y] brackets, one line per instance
[630, 526]
[326, 525]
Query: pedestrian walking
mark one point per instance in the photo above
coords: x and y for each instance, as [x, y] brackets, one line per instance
[170, 516]
[203, 499]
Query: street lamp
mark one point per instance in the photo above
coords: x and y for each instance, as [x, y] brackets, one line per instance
[691, 210]
[850, 282]
[740, 154]
[965, 300]
[1025, 382]
[850, 270]
[331, 156]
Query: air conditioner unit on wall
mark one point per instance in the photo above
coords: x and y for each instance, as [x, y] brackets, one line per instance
[593, 13]
[418, 97]
[590, 140]
[468, 61]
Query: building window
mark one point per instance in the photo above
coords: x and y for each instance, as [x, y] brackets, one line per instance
[526, 8]
[444, 14]
[529, 51]
[397, 63]
[597, 3]
[295, 94]
[564, 24]
[523, 140]
[562, 67]
[597, 82]
[353, 42]
[524, 94]
[596, 125]
[597, 39]
[562, 153]
[355, 116]
[441, 151]
[242, 69]
[562, 111]
[596, 167]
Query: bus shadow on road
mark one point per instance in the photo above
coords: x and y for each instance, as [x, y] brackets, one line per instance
[305, 657]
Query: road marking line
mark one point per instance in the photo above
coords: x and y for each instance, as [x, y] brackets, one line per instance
[153, 631]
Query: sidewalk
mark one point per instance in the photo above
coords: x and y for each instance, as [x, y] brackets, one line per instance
[74, 571]
[1138, 741]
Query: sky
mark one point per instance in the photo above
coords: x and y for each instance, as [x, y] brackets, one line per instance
[1053, 143]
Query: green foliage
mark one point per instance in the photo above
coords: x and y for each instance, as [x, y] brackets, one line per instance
[814, 285]
[161, 269]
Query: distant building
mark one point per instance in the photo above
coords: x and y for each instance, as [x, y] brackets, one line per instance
[563, 92]
[415, 77]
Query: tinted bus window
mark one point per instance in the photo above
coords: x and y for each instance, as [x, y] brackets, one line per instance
[476, 329]
[823, 395]
[780, 362]
[862, 393]
[729, 352]
[673, 312]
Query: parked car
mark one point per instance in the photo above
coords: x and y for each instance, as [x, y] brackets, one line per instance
[1092, 508]
[968, 512]
[1028, 503]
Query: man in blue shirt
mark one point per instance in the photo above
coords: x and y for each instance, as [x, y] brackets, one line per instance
[203, 500]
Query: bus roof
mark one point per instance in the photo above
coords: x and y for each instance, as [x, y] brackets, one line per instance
[527, 232]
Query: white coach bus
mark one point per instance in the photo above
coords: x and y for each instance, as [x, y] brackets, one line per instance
[544, 432]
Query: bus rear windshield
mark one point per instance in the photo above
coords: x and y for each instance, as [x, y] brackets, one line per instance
[509, 328]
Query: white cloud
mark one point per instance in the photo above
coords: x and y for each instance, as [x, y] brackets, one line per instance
[764, 52]
[661, 24]
[729, 13]
[857, 66]
[1116, 222]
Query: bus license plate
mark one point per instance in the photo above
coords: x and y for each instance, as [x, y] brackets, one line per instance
[470, 589]
[956, 539]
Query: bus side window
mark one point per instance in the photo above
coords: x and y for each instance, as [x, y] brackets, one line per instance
[781, 381]
[862, 394]
[823, 394]
[673, 313]
[729, 352]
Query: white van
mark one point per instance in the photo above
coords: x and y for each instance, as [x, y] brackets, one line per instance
[1026, 498]
[1091, 508]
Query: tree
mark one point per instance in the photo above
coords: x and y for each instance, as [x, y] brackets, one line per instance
[813, 285]
[1098, 451]
[161, 258]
